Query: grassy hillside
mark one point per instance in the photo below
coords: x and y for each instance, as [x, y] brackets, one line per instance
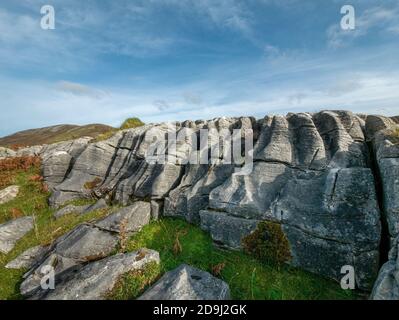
[53, 134]
[177, 242]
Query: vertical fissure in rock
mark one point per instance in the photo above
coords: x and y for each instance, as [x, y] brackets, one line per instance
[384, 244]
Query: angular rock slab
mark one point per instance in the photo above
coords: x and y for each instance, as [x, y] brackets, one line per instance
[386, 286]
[28, 258]
[12, 231]
[100, 204]
[8, 194]
[87, 243]
[226, 230]
[134, 218]
[97, 279]
[188, 283]
[83, 244]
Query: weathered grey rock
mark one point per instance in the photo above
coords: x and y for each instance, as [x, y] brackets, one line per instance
[311, 175]
[32, 151]
[340, 215]
[386, 286]
[188, 283]
[86, 243]
[156, 209]
[8, 194]
[226, 230]
[12, 231]
[192, 194]
[83, 244]
[96, 280]
[100, 204]
[251, 196]
[6, 153]
[386, 150]
[131, 218]
[70, 209]
[90, 165]
[28, 258]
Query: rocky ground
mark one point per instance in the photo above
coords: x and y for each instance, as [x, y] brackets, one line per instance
[322, 195]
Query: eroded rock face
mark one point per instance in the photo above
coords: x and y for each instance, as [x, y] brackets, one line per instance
[311, 175]
[96, 280]
[386, 286]
[381, 132]
[188, 283]
[12, 231]
[8, 194]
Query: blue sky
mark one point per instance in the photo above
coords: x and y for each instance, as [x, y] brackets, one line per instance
[165, 60]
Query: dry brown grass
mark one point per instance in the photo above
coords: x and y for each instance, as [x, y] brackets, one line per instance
[90, 185]
[123, 236]
[10, 166]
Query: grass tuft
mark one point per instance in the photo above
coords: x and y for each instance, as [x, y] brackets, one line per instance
[131, 123]
[268, 243]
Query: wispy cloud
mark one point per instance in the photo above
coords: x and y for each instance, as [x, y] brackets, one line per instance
[78, 89]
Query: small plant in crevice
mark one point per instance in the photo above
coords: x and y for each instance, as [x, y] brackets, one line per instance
[217, 269]
[268, 243]
[90, 185]
[123, 235]
[177, 247]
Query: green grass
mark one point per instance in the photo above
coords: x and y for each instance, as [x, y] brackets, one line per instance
[131, 123]
[177, 242]
[247, 277]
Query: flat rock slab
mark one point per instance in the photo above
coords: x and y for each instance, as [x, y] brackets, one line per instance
[28, 258]
[97, 279]
[8, 194]
[131, 218]
[100, 204]
[12, 231]
[188, 283]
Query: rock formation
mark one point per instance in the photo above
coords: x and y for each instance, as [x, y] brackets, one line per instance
[188, 283]
[12, 231]
[327, 180]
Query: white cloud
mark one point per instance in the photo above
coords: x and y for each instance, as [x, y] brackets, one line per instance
[79, 89]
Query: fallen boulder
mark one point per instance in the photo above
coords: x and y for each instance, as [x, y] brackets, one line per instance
[12, 231]
[188, 283]
[8, 194]
[96, 280]
[86, 243]
[28, 258]
[100, 204]
[129, 219]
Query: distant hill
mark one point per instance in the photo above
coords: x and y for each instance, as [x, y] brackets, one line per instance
[53, 134]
